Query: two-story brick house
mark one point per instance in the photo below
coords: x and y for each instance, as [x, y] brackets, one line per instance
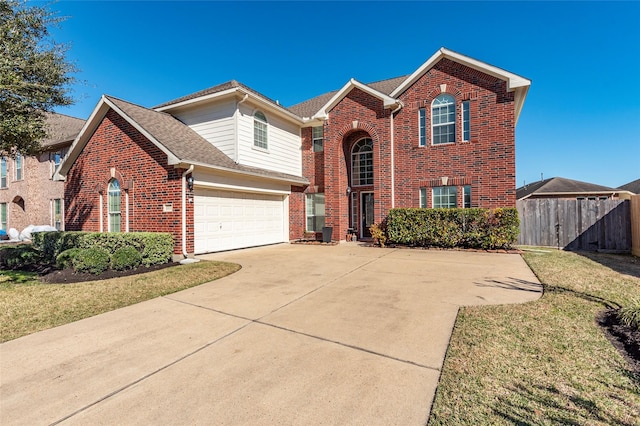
[28, 193]
[227, 167]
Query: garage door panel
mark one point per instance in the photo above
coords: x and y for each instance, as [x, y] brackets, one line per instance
[226, 220]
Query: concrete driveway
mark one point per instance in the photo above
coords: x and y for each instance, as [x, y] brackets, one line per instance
[300, 335]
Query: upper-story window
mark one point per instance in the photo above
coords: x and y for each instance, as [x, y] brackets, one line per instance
[18, 166]
[422, 124]
[362, 163]
[3, 172]
[443, 119]
[260, 130]
[318, 139]
[114, 205]
[466, 128]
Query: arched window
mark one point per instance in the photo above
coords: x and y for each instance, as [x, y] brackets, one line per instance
[260, 130]
[443, 119]
[114, 205]
[362, 163]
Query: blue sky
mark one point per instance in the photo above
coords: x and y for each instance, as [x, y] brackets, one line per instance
[581, 119]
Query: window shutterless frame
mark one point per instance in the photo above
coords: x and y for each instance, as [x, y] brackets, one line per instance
[422, 132]
[443, 119]
[466, 125]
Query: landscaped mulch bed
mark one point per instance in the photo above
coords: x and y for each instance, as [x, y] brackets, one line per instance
[68, 276]
[625, 339]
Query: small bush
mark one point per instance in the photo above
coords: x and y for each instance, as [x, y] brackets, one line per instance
[92, 260]
[379, 233]
[125, 258]
[22, 256]
[630, 315]
[66, 258]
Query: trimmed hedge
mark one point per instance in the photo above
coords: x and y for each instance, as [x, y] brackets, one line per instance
[65, 259]
[21, 256]
[125, 258]
[93, 260]
[154, 248]
[469, 228]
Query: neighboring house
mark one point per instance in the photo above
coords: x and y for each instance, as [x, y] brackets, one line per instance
[28, 193]
[632, 187]
[228, 168]
[558, 187]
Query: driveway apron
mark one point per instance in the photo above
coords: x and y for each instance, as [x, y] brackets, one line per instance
[341, 334]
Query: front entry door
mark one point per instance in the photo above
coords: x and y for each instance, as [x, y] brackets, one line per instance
[366, 214]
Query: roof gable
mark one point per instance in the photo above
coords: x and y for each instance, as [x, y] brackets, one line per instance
[514, 82]
[179, 142]
[388, 101]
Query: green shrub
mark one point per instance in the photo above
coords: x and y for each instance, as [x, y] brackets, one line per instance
[94, 260]
[470, 228]
[125, 258]
[23, 256]
[155, 248]
[66, 258]
[630, 315]
[379, 233]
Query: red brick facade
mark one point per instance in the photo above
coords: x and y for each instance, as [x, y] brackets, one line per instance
[117, 150]
[486, 162]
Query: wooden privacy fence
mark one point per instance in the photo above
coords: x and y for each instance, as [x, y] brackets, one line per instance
[591, 225]
[635, 225]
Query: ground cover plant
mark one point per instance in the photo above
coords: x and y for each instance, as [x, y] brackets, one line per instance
[545, 362]
[28, 305]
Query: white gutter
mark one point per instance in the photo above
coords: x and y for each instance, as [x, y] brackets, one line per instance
[235, 116]
[184, 210]
[393, 165]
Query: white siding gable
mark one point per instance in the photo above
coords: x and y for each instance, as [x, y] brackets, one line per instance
[214, 122]
[284, 143]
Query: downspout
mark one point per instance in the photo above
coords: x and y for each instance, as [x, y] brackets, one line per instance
[184, 210]
[393, 165]
[237, 148]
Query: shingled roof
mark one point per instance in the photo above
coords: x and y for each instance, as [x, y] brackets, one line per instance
[310, 107]
[188, 146]
[176, 139]
[560, 185]
[633, 186]
[61, 129]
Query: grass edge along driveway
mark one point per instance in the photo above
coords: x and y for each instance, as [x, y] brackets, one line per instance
[547, 361]
[28, 306]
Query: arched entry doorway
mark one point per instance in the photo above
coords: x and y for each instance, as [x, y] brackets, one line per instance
[361, 203]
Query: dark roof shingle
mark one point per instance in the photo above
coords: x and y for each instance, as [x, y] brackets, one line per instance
[560, 185]
[61, 129]
[185, 144]
[633, 186]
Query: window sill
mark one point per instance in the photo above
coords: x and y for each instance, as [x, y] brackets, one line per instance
[257, 148]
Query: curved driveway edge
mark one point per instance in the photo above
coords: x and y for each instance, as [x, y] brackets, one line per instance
[301, 334]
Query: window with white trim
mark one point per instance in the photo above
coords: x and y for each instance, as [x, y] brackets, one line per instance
[362, 163]
[423, 198]
[318, 139]
[422, 125]
[445, 197]
[3, 216]
[3, 172]
[113, 201]
[466, 125]
[315, 212]
[18, 162]
[260, 130]
[466, 196]
[56, 213]
[443, 119]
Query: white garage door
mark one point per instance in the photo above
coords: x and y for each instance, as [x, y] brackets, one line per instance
[226, 220]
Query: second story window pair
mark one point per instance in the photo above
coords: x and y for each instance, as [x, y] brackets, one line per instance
[443, 121]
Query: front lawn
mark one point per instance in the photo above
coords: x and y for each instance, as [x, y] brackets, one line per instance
[28, 305]
[545, 362]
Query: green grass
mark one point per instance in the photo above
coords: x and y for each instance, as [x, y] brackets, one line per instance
[545, 362]
[27, 305]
